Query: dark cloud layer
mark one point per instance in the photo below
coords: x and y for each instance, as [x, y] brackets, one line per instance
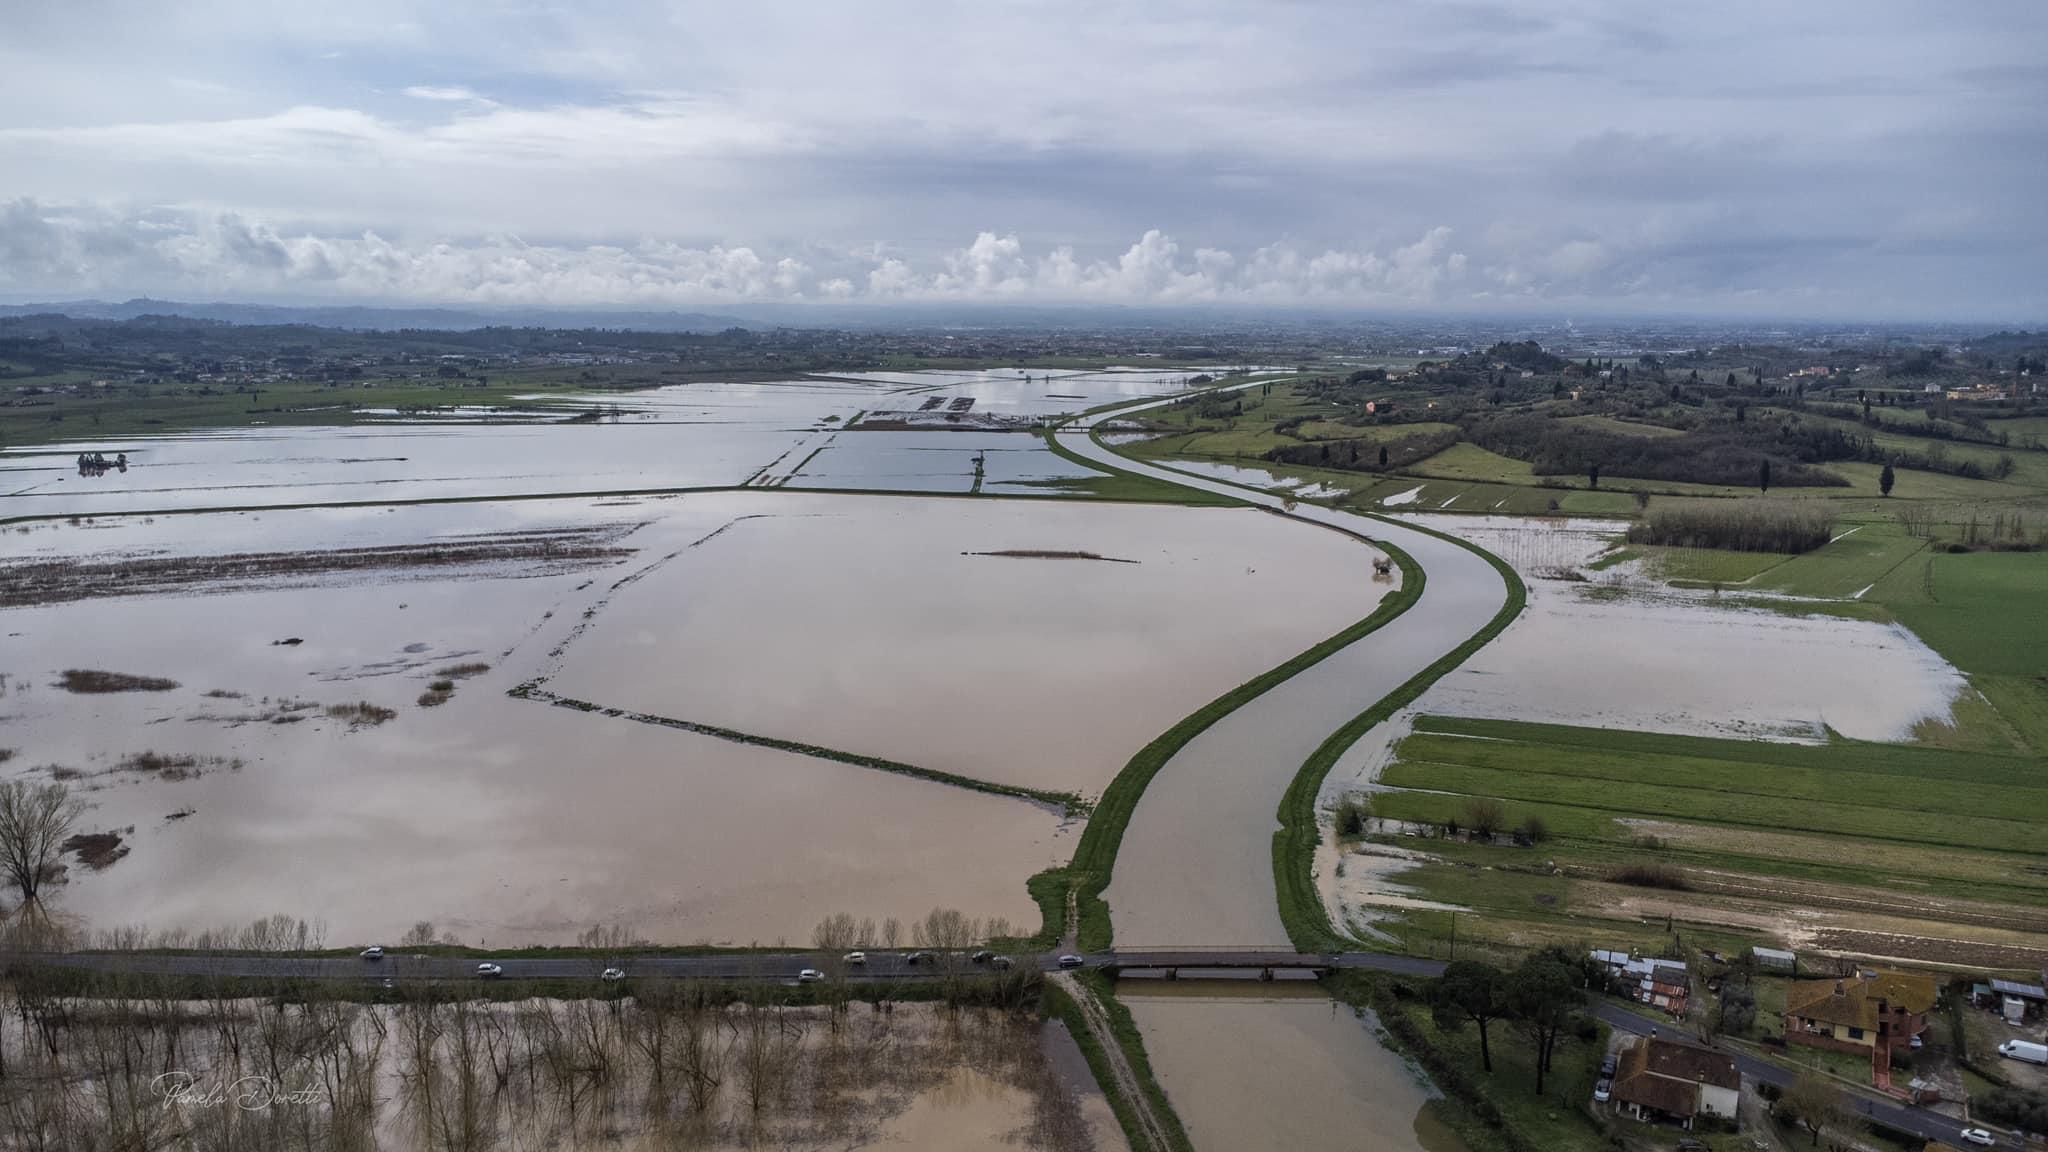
[1872, 158]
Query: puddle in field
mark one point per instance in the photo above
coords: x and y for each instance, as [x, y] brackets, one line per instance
[971, 637]
[1250, 1065]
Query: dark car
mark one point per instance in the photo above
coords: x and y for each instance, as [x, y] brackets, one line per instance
[1607, 1068]
[982, 956]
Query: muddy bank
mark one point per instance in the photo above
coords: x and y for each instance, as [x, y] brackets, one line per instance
[539, 553]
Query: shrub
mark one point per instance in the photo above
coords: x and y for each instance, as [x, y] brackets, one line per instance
[1535, 830]
[361, 714]
[1485, 817]
[1749, 526]
[1352, 815]
[1650, 875]
[91, 680]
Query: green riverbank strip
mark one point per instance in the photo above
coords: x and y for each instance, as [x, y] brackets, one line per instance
[1294, 845]
[1069, 804]
[1124, 1032]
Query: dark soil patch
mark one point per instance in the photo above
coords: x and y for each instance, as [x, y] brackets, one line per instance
[92, 680]
[97, 850]
[1051, 554]
[540, 552]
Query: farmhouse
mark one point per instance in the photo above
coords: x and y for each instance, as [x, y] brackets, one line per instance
[1664, 1079]
[1872, 1012]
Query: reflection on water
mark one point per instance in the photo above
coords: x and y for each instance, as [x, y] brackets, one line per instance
[670, 1068]
[1251, 1065]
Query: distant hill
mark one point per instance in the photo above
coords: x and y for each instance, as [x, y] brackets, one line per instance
[378, 319]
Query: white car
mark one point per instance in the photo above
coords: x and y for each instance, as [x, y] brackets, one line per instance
[809, 976]
[1603, 1091]
[373, 952]
[854, 959]
[488, 971]
[612, 975]
[1978, 1136]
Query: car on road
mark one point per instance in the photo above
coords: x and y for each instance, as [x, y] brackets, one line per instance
[854, 959]
[1071, 961]
[1002, 963]
[920, 956]
[373, 952]
[488, 971]
[982, 956]
[1979, 1137]
[809, 976]
[612, 975]
[1603, 1091]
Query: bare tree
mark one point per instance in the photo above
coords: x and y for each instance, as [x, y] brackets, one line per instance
[34, 820]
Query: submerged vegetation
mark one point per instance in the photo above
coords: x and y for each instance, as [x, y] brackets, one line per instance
[1748, 526]
[93, 681]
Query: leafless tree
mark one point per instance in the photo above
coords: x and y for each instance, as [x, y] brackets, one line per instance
[34, 820]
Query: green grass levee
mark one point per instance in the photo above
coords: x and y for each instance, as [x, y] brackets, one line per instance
[1294, 844]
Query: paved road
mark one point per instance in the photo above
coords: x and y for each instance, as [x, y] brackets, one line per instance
[1197, 859]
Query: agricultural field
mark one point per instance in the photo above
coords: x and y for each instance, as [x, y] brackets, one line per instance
[1934, 851]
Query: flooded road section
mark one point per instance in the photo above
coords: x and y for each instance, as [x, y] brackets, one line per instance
[1025, 642]
[1196, 864]
[1251, 1065]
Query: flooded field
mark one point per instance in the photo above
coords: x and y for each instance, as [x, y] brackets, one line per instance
[697, 435]
[1250, 1065]
[1643, 657]
[497, 819]
[669, 1068]
[1029, 643]
[990, 462]
[268, 779]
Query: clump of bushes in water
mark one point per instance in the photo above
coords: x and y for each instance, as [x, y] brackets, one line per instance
[1750, 526]
[1352, 814]
[361, 714]
[93, 680]
[437, 694]
[1651, 875]
[462, 671]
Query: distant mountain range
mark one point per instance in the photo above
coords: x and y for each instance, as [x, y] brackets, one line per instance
[381, 319]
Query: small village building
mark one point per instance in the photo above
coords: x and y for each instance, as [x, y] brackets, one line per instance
[1871, 1013]
[1775, 960]
[2018, 1001]
[1659, 1079]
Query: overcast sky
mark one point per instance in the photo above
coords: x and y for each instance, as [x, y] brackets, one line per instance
[1852, 158]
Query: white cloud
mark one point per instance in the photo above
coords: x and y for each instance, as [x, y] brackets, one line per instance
[453, 94]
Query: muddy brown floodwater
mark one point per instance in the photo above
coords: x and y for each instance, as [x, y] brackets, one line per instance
[1319, 1075]
[992, 640]
[506, 821]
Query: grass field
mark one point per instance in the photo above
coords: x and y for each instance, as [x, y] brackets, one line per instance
[1948, 841]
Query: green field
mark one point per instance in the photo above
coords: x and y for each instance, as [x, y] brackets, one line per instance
[1879, 792]
[1846, 823]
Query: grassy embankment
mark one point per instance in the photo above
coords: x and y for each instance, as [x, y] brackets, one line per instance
[1744, 836]
[1294, 844]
